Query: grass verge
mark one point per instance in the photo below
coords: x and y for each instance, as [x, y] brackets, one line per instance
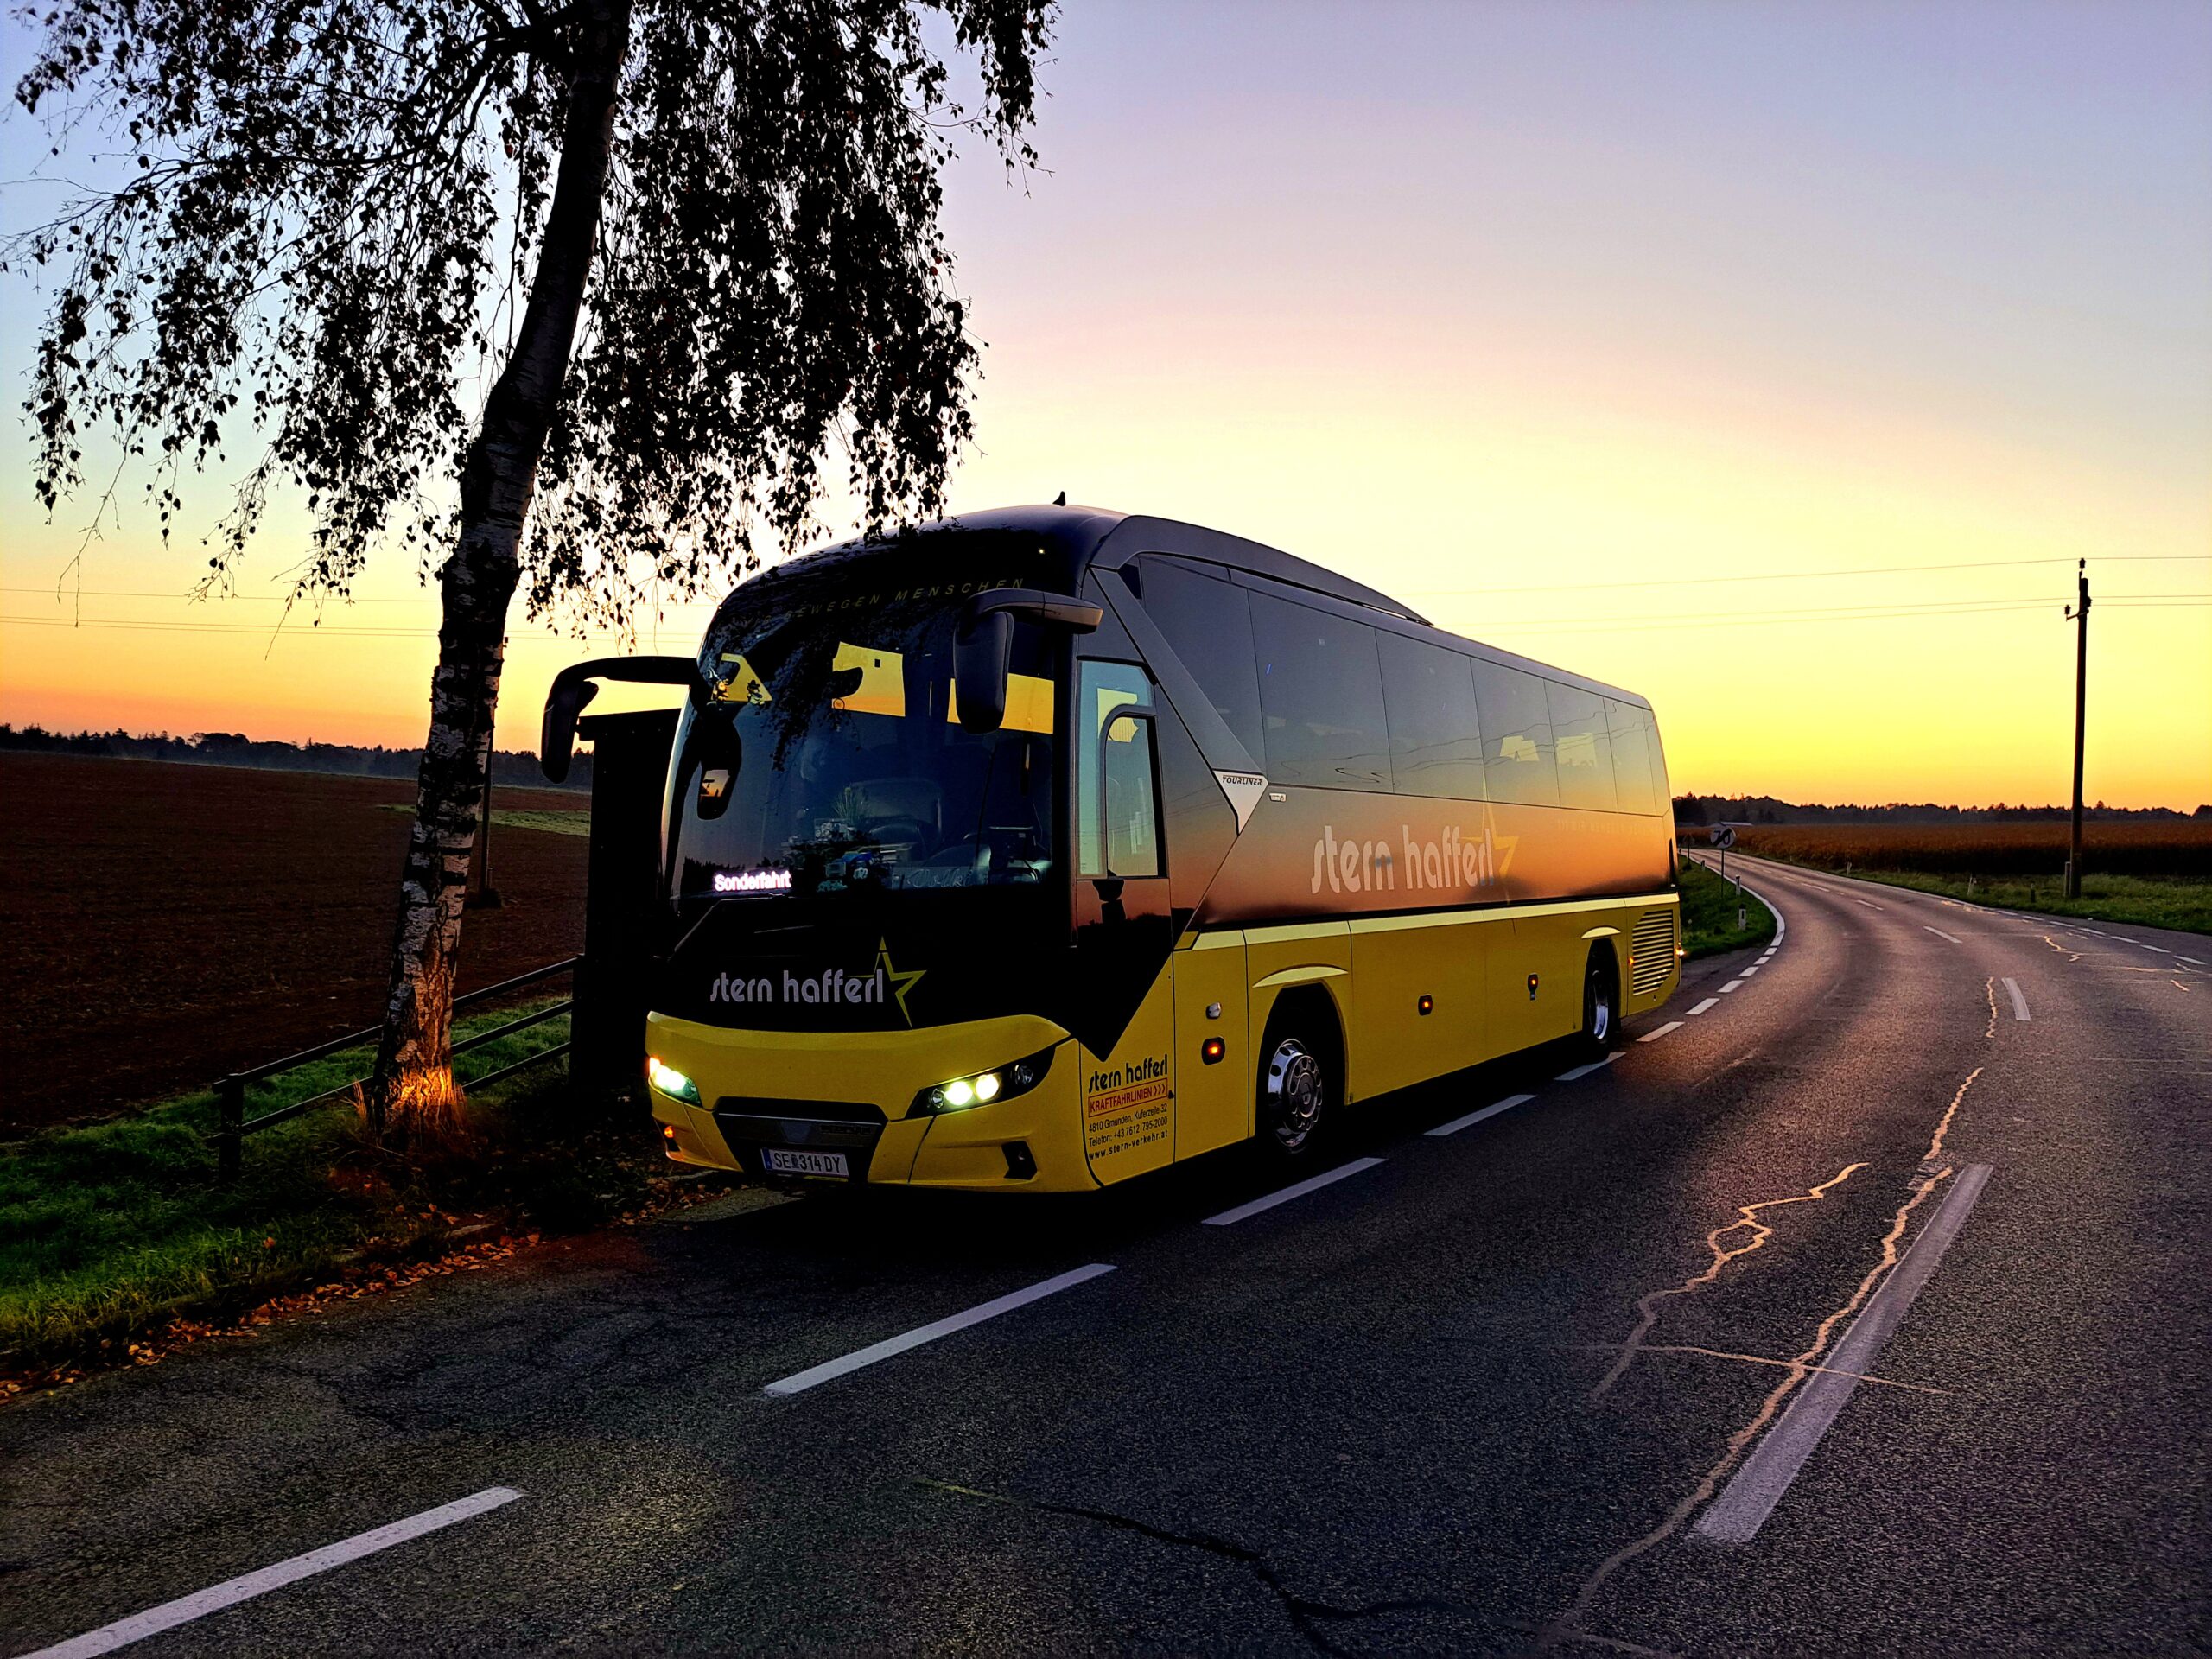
[1709, 907]
[553, 821]
[110, 1229]
[2178, 902]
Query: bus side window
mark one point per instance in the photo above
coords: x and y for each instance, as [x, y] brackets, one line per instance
[1436, 740]
[1663, 798]
[1209, 624]
[1632, 758]
[1321, 691]
[1516, 727]
[1584, 746]
[1130, 809]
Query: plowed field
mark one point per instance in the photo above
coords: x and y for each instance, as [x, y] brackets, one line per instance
[162, 925]
[2170, 847]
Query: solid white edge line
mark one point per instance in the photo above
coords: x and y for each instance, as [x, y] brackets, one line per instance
[799, 1381]
[229, 1593]
[1577, 1073]
[1940, 934]
[2019, 1002]
[1474, 1118]
[1709, 1002]
[1654, 1036]
[1313, 1183]
[1745, 1503]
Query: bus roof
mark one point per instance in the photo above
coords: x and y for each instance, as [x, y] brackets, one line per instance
[1085, 538]
[1097, 538]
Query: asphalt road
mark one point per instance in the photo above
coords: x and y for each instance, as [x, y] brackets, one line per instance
[1856, 1313]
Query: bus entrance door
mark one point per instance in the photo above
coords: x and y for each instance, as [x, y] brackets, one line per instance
[1123, 929]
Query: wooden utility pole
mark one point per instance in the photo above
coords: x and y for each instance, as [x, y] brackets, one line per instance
[2080, 617]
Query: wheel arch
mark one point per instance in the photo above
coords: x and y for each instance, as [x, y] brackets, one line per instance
[1313, 1005]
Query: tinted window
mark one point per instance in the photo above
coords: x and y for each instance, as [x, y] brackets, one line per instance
[1516, 727]
[1632, 758]
[830, 761]
[1436, 741]
[1321, 695]
[1583, 744]
[1126, 811]
[1206, 621]
[1663, 798]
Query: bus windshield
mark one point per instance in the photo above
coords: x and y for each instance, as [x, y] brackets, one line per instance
[831, 759]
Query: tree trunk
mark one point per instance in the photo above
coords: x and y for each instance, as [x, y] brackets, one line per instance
[413, 1097]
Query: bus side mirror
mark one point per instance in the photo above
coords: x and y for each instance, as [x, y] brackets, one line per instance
[576, 685]
[981, 652]
[982, 646]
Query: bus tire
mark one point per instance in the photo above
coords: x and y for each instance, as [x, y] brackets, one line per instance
[1601, 1003]
[1296, 1086]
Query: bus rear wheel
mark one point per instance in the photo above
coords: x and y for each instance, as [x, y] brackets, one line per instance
[1295, 1089]
[1600, 1005]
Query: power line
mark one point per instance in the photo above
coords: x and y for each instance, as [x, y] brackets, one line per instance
[1803, 575]
[1725, 619]
[265, 630]
[1808, 613]
[284, 599]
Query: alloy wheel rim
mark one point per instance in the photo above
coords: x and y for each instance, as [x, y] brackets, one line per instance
[1295, 1087]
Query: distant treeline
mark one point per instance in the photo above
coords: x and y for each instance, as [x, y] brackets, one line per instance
[514, 767]
[1764, 808]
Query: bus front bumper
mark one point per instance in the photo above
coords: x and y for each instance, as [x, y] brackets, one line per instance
[848, 1098]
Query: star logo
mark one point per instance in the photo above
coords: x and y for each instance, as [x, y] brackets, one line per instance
[900, 983]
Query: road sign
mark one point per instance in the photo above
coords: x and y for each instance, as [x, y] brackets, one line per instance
[1724, 836]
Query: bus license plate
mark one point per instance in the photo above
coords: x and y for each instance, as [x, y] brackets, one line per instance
[785, 1161]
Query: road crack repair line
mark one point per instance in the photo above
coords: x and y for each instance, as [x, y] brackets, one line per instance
[1564, 1627]
[1762, 1359]
[1304, 1612]
[1943, 1125]
[1647, 1307]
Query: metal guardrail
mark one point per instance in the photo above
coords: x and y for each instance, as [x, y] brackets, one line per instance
[233, 1125]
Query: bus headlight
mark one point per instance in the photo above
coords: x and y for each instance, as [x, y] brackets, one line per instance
[980, 1088]
[669, 1081]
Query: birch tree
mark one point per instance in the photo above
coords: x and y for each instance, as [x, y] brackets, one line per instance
[693, 246]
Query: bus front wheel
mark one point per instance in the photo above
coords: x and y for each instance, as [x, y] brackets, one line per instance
[1600, 1004]
[1295, 1094]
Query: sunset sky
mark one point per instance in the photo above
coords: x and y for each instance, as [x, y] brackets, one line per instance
[1601, 333]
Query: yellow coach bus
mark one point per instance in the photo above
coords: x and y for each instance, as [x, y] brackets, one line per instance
[1042, 847]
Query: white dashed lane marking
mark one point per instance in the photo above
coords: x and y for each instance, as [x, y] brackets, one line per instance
[1709, 1002]
[231, 1591]
[1229, 1218]
[1582, 1072]
[799, 1381]
[2019, 1002]
[1474, 1118]
[1732, 985]
[1654, 1036]
[1940, 934]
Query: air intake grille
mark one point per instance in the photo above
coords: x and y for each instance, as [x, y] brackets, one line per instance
[1651, 951]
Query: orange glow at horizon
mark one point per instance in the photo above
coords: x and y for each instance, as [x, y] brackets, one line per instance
[1505, 313]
